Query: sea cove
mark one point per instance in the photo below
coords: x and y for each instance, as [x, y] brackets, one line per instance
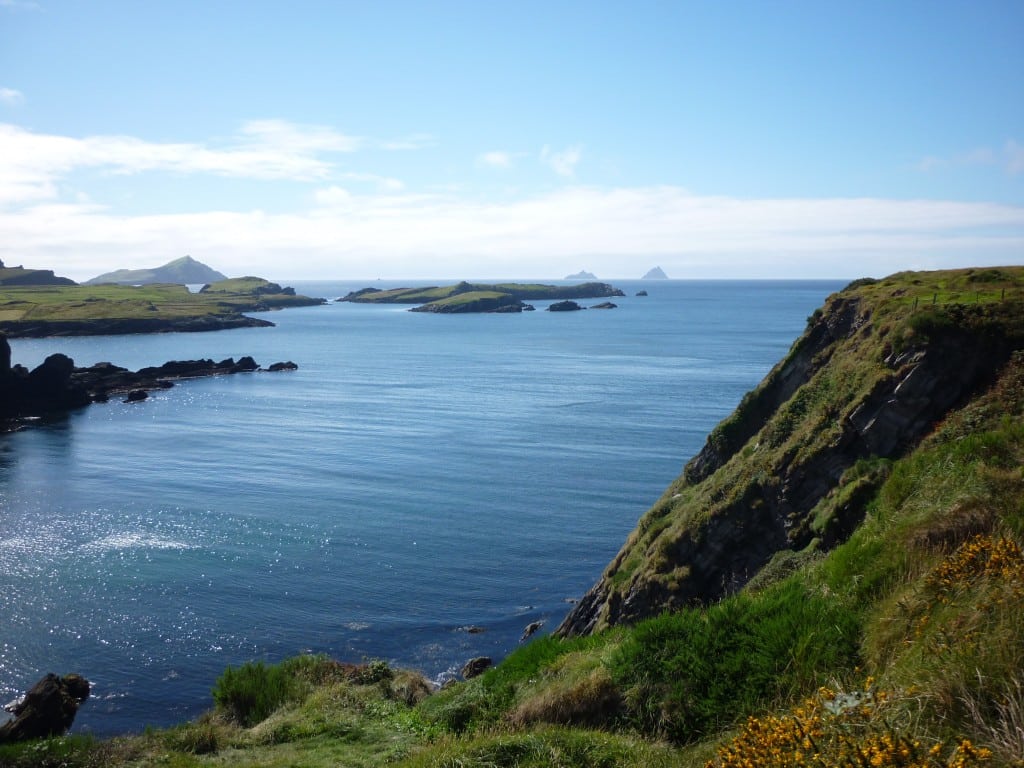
[418, 474]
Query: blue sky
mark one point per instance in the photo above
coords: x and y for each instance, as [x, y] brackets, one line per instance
[477, 140]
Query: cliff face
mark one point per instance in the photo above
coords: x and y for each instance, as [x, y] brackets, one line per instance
[792, 468]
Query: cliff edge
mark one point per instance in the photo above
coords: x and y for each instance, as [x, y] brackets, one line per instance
[793, 468]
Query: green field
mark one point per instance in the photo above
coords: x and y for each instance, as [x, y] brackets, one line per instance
[40, 307]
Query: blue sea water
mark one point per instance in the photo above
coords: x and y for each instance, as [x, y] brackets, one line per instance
[418, 474]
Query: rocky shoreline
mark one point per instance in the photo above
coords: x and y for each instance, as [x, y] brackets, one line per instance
[57, 386]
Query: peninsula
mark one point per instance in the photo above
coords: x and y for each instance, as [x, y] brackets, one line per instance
[89, 310]
[480, 297]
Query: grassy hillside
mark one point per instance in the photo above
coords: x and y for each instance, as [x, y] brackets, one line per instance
[42, 310]
[893, 637]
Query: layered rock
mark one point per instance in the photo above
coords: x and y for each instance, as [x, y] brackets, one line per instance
[867, 380]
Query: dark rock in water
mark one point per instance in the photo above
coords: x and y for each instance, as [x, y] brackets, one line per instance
[564, 306]
[5, 355]
[528, 308]
[531, 629]
[244, 365]
[472, 629]
[476, 667]
[605, 305]
[57, 385]
[47, 710]
[641, 293]
[288, 366]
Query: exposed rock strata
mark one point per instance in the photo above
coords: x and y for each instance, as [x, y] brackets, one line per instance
[732, 511]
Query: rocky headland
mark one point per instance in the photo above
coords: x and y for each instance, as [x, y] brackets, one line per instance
[56, 385]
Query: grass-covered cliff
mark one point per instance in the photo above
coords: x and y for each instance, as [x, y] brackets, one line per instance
[837, 579]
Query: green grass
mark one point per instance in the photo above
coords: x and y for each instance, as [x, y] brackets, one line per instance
[76, 303]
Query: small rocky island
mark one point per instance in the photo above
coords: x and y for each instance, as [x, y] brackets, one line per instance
[481, 297]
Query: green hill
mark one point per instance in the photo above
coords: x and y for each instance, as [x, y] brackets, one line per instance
[183, 271]
[20, 276]
[836, 579]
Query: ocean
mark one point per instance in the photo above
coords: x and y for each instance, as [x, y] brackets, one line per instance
[417, 475]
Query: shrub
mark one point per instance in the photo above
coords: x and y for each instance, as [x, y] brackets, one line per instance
[252, 692]
[687, 674]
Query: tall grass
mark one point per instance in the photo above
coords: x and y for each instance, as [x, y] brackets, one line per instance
[689, 674]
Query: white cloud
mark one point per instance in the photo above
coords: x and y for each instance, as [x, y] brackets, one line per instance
[563, 163]
[11, 97]
[31, 164]
[495, 159]
[610, 231]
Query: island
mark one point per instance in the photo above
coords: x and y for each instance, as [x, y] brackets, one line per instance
[480, 297]
[582, 275]
[655, 274]
[186, 271]
[34, 311]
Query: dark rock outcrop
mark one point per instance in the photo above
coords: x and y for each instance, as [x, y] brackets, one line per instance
[564, 306]
[286, 366]
[605, 305]
[48, 709]
[476, 667]
[530, 630]
[641, 293]
[57, 385]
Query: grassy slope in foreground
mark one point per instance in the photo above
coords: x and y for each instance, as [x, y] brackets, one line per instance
[83, 310]
[898, 645]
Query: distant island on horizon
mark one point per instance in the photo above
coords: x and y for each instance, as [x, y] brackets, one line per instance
[183, 271]
[657, 273]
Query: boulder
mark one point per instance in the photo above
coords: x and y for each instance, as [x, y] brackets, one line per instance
[48, 709]
[605, 305]
[476, 667]
[288, 366]
[641, 293]
[564, 306]
[530, 630]
[136, 396]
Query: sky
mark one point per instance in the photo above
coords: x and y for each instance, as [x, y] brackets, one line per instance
[475, 140]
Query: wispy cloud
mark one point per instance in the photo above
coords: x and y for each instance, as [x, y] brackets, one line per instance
[495, 159]
[409, 235]
[1010, 157]
[11, 97]
[564, 162]
[31, 164]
